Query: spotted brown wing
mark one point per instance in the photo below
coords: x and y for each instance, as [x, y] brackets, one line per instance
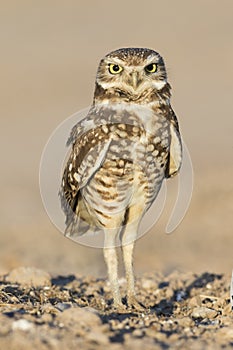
[175, 151]
[87, 155]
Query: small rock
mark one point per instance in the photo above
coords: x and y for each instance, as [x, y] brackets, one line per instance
[185, 322]
[195, 301]
[169, 293]
[22, 325]
[29, 276]
[204, 312]
[84, 317]
[180, 295]
[116, 325]
[62, 306]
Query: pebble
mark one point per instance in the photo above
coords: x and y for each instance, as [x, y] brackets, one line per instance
[62, 306]
[180, 296]
[204, 312]
[22, 325]
[75, 317]
[169, 293]
[29, 276]
[195, 301]
[185, 322]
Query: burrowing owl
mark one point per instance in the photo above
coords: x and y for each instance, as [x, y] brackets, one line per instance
[121, 153]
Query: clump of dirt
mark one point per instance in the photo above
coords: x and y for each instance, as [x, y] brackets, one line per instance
[182, 311]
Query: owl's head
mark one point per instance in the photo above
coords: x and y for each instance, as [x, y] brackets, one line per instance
[130, 74]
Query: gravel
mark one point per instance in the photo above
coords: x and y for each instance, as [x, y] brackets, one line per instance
[182, 311]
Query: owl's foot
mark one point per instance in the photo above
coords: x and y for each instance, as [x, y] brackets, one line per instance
[119, 307]
[134, 304]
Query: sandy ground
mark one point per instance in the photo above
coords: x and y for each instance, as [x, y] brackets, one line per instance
[49, 55]
[182, 311]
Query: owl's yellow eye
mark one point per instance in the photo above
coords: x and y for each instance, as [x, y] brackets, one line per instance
[151, 68]
[115, 68]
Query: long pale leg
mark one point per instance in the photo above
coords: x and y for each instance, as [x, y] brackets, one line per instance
[110, 256]
[128, 262]
[128, 241]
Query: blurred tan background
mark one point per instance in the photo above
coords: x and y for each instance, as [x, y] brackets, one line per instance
[49, 55]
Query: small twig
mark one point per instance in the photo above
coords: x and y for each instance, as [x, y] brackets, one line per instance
[203, 296]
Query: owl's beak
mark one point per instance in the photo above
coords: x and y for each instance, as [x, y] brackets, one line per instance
[135, 81]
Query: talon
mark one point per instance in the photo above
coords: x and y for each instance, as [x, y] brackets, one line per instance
[119, 308]
[132, 302]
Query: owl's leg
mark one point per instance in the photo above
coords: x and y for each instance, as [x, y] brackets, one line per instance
[110, 256]
[128, 241]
